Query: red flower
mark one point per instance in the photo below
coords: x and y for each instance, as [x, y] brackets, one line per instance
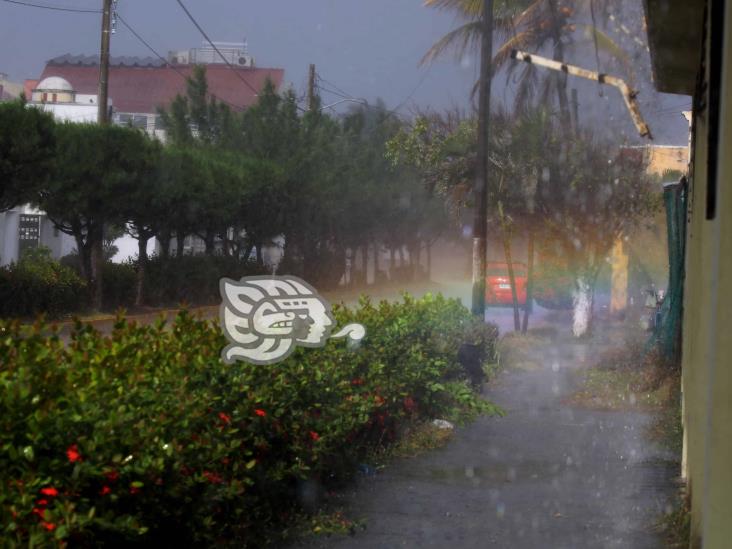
[224, 418]
[38, 511]
[50, 526]
[260, 412]
[314, 436]
[213, 478]
[111, 476]
[50, 491]
[357, 381]
[73, 453]
[42, 502]
[105, 490]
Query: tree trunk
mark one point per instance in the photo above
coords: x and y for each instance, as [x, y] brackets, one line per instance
[565, 117]
[377, 272]
[260, 255]
[529, 282]
[164, 237]
[141, 268]
[506, 232]
[96, 243]
[480, 222]
[428, 250]
[582, 312]
[209, 244]
[180, 240]
[84, 259]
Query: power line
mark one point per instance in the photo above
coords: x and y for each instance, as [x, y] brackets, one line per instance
[149, 47]
[54, 8]
[221, 55]
[164, 60]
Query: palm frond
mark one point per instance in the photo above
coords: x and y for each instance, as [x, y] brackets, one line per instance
[468, 8]
[607, 45]
[522, 40]
[460, 39]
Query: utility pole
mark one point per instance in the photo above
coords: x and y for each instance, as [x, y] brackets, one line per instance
[311, 88]
[480, 222]
[97, 248]
[103, 112]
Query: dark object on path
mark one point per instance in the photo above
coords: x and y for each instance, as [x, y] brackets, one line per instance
[471, 358]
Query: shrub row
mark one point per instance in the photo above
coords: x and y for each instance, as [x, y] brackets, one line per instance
[144, 436]
[38, 284]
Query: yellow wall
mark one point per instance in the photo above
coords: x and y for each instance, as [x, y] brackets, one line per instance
[663, 158]
[707, 339]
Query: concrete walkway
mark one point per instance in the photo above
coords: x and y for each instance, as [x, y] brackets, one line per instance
[546, 475]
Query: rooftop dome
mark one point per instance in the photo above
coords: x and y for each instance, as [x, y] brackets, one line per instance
[54, 83]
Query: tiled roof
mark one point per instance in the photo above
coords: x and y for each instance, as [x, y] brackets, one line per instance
[141, 88]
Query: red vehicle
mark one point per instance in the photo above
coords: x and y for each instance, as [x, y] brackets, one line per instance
[498, 284]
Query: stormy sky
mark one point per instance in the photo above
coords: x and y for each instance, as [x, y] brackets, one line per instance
[367, 48]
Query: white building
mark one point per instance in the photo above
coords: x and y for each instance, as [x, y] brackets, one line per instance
[56, 95]
[25, 227]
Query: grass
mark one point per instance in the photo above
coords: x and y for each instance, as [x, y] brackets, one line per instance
[523, 351]
[675, 526]
[620, 390]
[419, 439]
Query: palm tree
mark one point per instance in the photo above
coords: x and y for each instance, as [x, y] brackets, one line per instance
[532, 25]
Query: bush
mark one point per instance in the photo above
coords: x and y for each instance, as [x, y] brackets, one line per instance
[553, 286]
[192, 279]
[38, 284]
[119, 284]
[145, 437]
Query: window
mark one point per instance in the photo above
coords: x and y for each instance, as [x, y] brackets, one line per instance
[139, 121]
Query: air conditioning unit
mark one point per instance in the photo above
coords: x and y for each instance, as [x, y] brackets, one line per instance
[181, 57]
[245, 61]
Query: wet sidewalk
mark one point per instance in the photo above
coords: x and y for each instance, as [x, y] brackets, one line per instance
[546, 475]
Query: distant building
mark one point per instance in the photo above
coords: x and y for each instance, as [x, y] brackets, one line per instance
[9, 90]
[57, 96]
[140, 87]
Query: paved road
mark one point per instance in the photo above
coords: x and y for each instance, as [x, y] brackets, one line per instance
[545, 475]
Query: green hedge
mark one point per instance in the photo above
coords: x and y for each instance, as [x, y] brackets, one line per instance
[192, 279]
[145, 437]
[38, 284]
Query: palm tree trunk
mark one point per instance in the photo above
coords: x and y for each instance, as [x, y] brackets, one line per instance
[509, 261]
[529, 281]
[565, 118]
[480, 222]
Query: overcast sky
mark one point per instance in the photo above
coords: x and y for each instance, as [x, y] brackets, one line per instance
[367, 48]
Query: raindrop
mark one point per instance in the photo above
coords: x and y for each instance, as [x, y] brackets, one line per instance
[500, 510]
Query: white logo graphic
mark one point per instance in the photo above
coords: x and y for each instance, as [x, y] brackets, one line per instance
[266, 317]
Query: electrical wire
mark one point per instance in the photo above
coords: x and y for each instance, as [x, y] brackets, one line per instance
[54, 8]
[163, 59]
[221, 55]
